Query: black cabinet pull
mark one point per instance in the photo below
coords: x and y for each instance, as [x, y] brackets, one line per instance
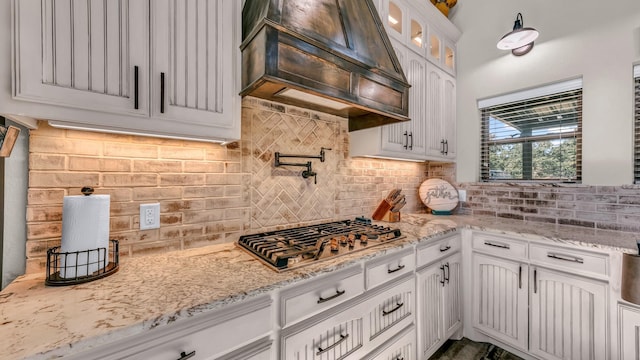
[162, 93]
[406, 140]
[443, 276]
[185, 356]
[398, 306]
[448, 274]
[566, 258]
[535, 281]
[498, 245]
[391, 271]
[136, 85]
[338, 293]
[446, 144]
[411, 137]
[442, 146]
[520, 278]
[445, 248]
[399, 357]
[322, 351]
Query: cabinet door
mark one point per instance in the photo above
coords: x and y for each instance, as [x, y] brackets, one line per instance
[435, 122]
[568, 316]
[410, 136]
[500, 289]
[449, 116]
[193, 64]
[629, 333]
[395, 137]
[83, 54]
[452, 300]
[430, 294]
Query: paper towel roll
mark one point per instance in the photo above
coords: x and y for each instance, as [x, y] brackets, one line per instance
[85, 226]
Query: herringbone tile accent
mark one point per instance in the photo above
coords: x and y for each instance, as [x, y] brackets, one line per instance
[281, 196]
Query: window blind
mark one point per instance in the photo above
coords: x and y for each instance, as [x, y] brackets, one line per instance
[533, 138]
[636, 139]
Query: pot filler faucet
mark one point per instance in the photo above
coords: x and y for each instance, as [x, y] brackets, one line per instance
[305, 173]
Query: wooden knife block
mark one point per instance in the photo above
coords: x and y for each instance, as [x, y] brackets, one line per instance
[383, 212]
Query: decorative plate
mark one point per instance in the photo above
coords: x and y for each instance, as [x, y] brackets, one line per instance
[438, 195]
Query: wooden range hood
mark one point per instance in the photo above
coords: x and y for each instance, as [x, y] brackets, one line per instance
[332, 56]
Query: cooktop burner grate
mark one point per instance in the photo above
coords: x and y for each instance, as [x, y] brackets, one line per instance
[292, 248]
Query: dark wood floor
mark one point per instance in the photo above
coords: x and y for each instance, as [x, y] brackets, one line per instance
[466, 349]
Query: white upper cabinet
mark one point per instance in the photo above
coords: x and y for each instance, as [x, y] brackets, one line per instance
[407, 138]
[84, 54]
[190, 74]
[428, 61]
[441, 114]
[166, 68]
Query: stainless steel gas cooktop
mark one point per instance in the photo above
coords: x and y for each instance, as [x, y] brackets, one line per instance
[292, 248]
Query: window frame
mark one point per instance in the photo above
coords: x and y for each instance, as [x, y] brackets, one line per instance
[519, 101]
[636, 126]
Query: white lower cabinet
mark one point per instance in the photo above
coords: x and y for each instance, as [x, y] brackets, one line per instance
[629, 332]
[568, 316]
[440, 307]
[239, 331]
[500, 299]
[352, 329]
[550, 301]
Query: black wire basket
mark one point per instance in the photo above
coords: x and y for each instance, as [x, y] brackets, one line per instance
[77, 267]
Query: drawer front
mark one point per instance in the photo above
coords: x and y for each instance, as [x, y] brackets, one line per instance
[205, 338]
[389, 312]
[332, 339]
[402, 347]
[500, 246]
[391, 267]
[316, 295]
[570, 259]
[438, 250]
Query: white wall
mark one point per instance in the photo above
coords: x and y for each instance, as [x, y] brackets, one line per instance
[597, 40]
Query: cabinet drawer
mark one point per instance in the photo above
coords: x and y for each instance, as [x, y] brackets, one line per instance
[500, 246]
[319, 294]
[208, 335]
[402, 346]
[437, 250]
[389, 311]
[390, 267]
[337, 337]
[589, 263]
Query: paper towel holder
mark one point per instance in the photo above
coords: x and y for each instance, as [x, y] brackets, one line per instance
[55, 265]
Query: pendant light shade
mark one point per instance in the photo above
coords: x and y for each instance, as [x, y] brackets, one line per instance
[520, 39]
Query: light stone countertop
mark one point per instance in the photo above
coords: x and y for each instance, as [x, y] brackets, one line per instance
[47, 322]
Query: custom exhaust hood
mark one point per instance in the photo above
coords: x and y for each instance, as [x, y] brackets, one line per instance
[328, 55]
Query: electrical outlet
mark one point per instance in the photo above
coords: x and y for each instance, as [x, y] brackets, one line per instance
[462, 195]
[149, 216]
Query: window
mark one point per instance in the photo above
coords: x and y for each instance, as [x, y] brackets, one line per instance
[636, 140]
[533, 134]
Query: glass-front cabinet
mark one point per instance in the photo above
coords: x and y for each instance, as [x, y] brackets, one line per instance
[406, 21]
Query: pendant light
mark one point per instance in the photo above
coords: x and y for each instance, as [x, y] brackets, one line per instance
[520, 39]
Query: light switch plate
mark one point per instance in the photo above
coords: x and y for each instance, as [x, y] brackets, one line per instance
[149, 216]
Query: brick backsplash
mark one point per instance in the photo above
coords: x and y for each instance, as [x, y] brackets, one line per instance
[601, 207]
[209, 193]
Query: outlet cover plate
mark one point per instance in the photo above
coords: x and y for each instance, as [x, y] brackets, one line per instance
[149, 216]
